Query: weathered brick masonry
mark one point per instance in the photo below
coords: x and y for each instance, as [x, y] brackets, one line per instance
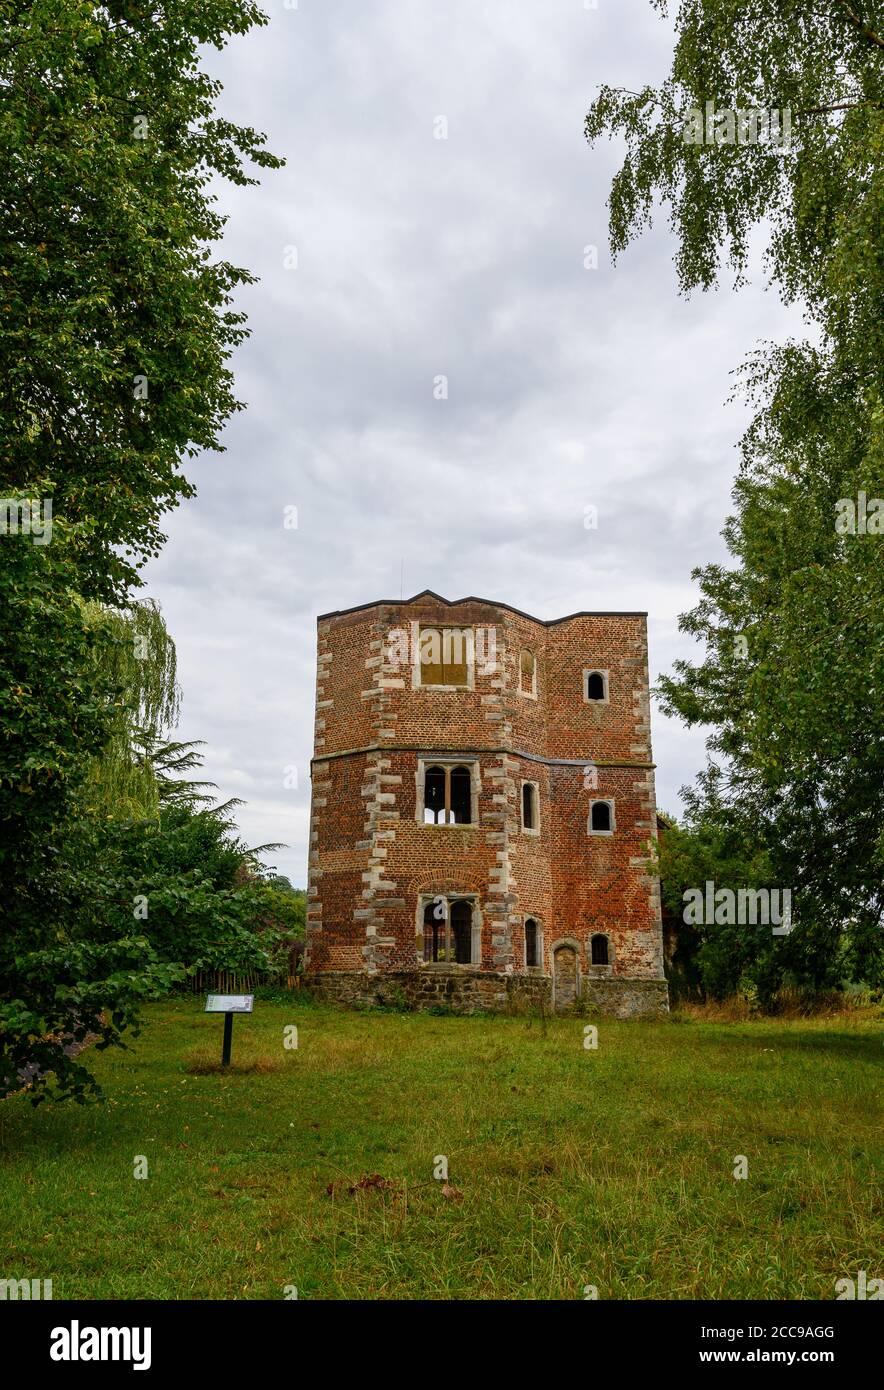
[562, 705]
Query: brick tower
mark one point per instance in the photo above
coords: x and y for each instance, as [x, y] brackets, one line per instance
[483, 803]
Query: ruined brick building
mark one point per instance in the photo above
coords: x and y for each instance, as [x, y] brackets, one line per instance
[482, 806]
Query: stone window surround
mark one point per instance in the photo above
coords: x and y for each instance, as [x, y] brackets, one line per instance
[425, 899]
[596, 671]
[600, 971]
[428, 760]
[527, 829]
[602, 801]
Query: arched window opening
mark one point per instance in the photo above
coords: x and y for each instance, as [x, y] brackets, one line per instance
[434, 796]
[595, 686]
[601, 815]
[531, 952]
[529, 806]
[448, 796]
[599, 950]
[448, 931]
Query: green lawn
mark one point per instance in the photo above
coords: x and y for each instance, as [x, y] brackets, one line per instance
[569, 1166]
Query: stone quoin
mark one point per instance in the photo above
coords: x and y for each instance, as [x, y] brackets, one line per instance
[483, 809]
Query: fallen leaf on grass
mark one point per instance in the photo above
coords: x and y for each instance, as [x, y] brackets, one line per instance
[374, 1181]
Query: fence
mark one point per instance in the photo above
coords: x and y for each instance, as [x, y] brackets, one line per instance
[228, 982]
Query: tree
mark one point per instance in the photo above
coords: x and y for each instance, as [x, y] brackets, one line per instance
[140, 662]
[792, 680]
[188, 885]
[819, 194]
[119, 877]
[57, 714]
[117, 327]
[117, 322]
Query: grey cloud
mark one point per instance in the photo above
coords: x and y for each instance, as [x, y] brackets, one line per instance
[567, 387]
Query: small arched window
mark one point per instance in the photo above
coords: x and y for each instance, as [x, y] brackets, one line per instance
[531, 952]
[599, 950]
[600, 816]
[529, 806]
[527, 672]
[596, 685]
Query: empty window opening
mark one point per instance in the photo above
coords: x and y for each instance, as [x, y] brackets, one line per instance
[595, 686]
[434, 795]
[529, 806]
[600, 816]
[599, 950]
[527, 671]
[531, 952]
[448, 932]
[444, 655]
[448, 796]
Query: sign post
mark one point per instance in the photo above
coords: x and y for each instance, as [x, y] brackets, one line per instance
[228, 1005]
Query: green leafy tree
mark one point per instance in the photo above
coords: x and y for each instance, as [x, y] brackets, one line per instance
[792, 679]
[105, 909]
[140, 662]
[819, 196]
[57, 714]
[185, 882]
[117, 321]
[116, 329]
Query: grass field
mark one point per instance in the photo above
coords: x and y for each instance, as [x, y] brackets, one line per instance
[567, 1167]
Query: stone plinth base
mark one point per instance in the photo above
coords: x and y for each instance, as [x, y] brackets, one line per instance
[467, 991]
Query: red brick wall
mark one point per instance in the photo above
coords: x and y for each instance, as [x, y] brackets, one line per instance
[371, 857]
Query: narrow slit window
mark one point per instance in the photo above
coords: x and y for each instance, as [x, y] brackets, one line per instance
[531, 942]
[527, 671]
[529, 806]
[434, 931]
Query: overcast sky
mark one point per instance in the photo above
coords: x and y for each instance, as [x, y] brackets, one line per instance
[420, 257]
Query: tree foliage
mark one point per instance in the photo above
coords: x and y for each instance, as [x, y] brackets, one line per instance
[116, 328]
[56, 715]
[140, 662]
[117, 320]
[791, 682]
